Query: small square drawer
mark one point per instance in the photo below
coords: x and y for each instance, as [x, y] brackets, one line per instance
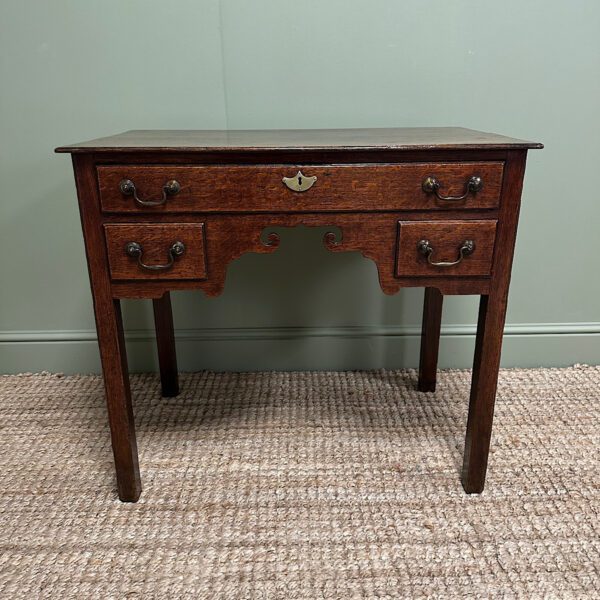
[166, 251]
[442, 248]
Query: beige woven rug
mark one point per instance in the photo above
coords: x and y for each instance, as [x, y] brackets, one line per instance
[301, 485]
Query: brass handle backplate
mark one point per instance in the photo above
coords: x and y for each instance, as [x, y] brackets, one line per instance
[300, 182]
[466, 248]
[170, 188]
[135, 250]
[431, 185]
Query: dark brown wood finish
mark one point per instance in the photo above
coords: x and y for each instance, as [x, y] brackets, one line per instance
[109, 327]
[200, 141]
[251, 188]
[156, 241]
[430, 339]
[367, 196]
[165, 341]
[445, 238]
[490, 328]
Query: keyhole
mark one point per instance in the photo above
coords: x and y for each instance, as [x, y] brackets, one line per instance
[299, 181]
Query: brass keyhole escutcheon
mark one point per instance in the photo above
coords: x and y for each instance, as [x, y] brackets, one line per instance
[300, 182]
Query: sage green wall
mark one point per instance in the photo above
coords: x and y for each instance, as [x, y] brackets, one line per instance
[73, 70]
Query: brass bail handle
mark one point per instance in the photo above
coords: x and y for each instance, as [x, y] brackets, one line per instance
[136, 250]
[299, 182]
[431, 185]
[425, 248]
[170, 188]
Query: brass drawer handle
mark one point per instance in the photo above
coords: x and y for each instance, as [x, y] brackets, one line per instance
[170, 188]
[466, 248]
[135, 250]
[431, 185]
[299, 182]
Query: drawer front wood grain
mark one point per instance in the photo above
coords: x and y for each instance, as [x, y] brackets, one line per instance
[254, 188]
[156, 242]
[445, 239]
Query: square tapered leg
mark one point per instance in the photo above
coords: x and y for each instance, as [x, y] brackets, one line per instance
[165, 340]
[488, 344]
[430, 339]
[118, 399]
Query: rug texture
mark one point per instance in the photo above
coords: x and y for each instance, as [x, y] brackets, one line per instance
[301, 485]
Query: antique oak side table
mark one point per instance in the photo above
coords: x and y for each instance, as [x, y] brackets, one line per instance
[169, 210]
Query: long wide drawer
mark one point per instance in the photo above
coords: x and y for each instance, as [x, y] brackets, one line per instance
[442, 248]
[167, 251]
[291, 188]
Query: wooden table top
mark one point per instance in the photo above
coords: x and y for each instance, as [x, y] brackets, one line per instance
[405, 138]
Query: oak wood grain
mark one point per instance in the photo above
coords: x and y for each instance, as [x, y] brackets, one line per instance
[445, 237]
[165, 341]
[156, 239]
[430, 339]
[111, 342]
[249, 188]
[369, 200]
[490, 329]
[295, 156]
[412, 138]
